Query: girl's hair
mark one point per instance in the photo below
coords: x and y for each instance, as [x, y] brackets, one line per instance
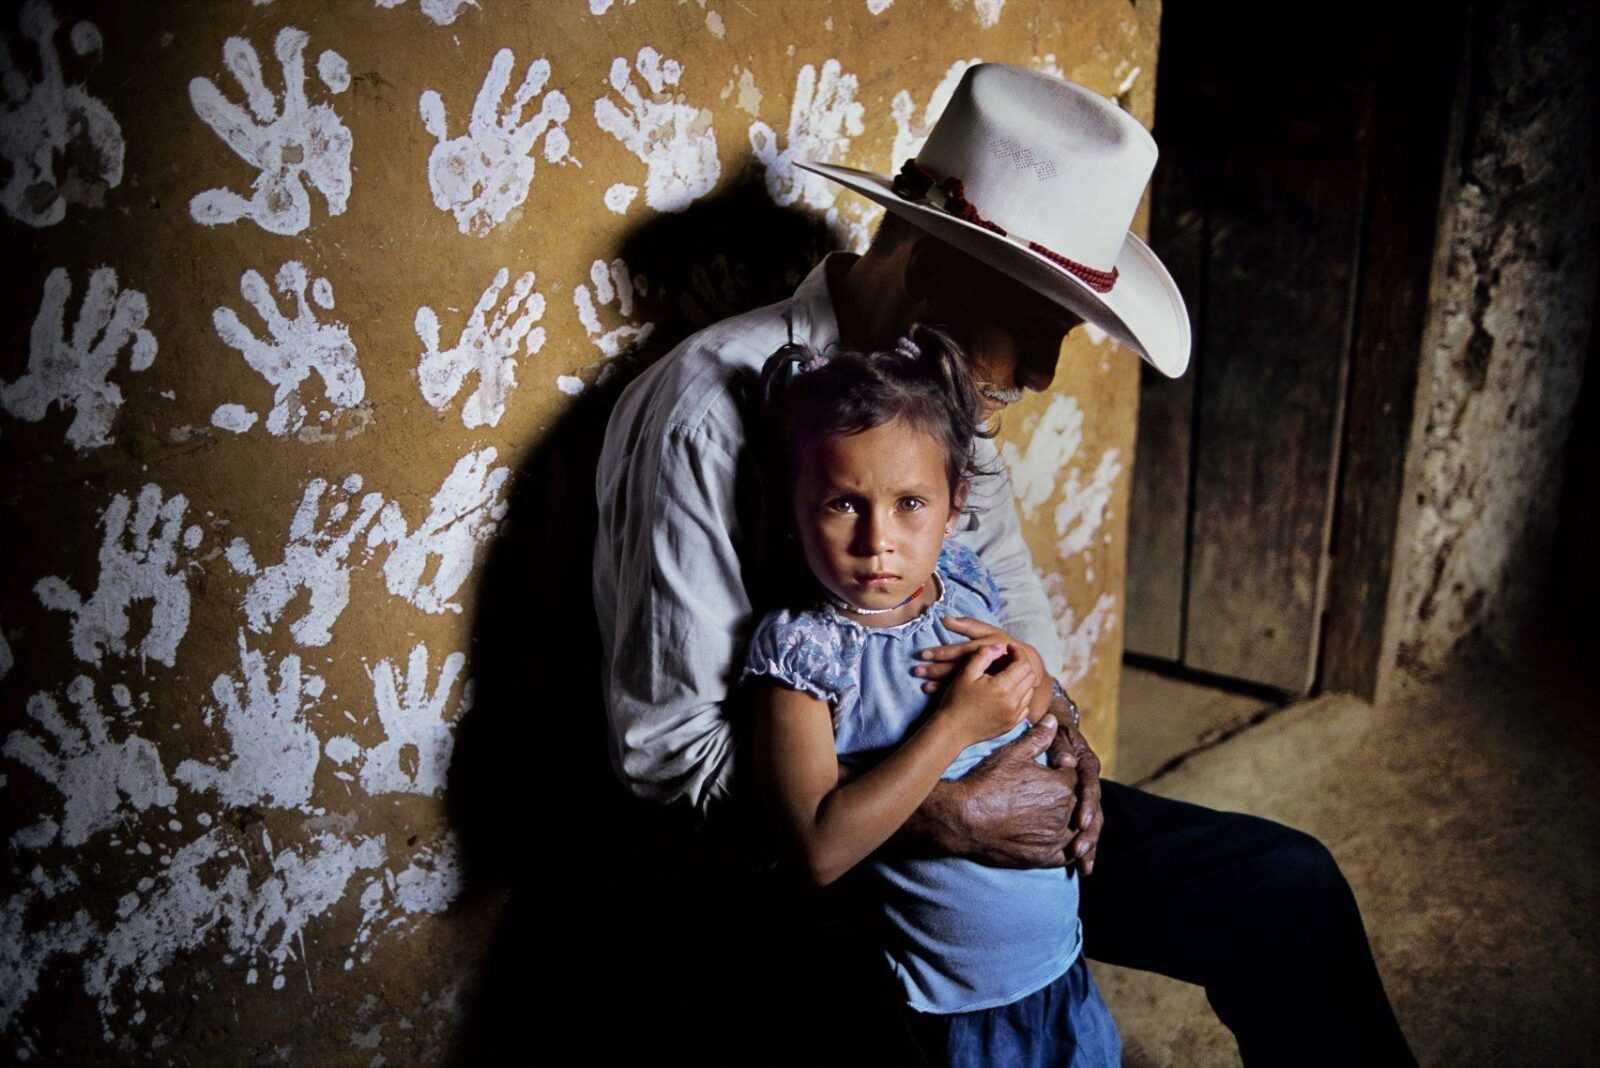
[923, 379]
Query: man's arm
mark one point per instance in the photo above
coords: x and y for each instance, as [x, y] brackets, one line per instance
[673, 608]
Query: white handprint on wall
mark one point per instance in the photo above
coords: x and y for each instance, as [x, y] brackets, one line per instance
[99, 779]
[674, 139]
[290, 143]
[315, 559]
[137, 563]
[430, 884]
[274, 753]
[442, 12]
[1079, 638]
[910, 133]
[418, 740]
[72, 371]
[612, 284]
[485, 173]
[295, 347]
[465, 512]
[487, 347]
[822, 119]
[48, 122]
[196, 898]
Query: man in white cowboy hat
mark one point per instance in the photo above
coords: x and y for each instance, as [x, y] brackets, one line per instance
[1009, 228]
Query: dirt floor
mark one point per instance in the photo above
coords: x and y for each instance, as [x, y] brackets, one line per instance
[1464, 813]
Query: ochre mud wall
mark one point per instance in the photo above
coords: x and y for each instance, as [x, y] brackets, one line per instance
[313, 315]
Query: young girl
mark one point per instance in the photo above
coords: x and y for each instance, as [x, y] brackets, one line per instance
[876, 451]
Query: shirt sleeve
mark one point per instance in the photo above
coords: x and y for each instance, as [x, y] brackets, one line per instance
[995, 533]
[681, 611]
[787, 651]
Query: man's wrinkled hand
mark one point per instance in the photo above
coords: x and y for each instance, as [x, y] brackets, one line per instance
[1017, 813]
[1069, 748]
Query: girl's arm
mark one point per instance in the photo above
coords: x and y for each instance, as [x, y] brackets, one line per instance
[834, 825]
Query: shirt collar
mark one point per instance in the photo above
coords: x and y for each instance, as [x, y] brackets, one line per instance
[812, 320]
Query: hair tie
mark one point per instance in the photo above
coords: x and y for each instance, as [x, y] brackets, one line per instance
[814, 361]
[906, 347]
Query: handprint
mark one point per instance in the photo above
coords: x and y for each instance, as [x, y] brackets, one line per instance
[290, 144]
[488, 349]
[134, 566]
[485, 173]
[611, 284]
[822, 119]
[431, 883]
[442, 12]
[1080, 638]
[466, 511]
[275, 754]
[417, 743]
[97, 778]
[314, 559]
[48, 121]
[674, 139]
[297, 347]
[72, 372]
[909, 133]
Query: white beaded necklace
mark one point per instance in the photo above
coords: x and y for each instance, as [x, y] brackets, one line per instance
[844, 606]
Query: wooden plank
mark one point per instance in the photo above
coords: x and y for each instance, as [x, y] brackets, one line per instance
[1421, 80]
[1158, 512]
[1284, 206]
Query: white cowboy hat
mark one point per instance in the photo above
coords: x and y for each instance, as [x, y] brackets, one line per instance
[1040, 179]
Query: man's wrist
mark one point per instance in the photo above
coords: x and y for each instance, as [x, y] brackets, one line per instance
[1062, 704]
[941, 820]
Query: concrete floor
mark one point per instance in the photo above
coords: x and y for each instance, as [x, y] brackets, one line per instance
[1465, 815]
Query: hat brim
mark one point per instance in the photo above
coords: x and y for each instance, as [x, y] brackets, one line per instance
[1143, 311]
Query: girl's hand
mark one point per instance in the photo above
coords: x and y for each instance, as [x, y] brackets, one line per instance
[984, 704]
[943, 661]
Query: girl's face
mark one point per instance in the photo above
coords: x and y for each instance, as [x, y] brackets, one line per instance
[872, 510]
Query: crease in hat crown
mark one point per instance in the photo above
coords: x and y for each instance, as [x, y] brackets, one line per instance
[1034, 153]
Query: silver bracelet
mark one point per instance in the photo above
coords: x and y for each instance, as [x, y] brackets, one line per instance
[1072, 706]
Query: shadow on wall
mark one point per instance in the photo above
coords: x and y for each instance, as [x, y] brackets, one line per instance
[597, 881]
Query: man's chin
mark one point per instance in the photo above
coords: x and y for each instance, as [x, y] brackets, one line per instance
[995, 399]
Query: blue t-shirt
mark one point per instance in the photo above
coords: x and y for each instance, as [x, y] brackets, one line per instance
[960, 936]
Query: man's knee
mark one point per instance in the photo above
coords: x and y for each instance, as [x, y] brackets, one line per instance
[1307, 889]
